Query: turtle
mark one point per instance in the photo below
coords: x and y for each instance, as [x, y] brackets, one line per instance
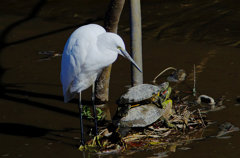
[144, 115]
[145, 93]
[141, 116]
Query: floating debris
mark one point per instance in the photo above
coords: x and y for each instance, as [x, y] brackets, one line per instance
[205, 108]
[177, 76]
[226, 128]
[47, 55]
[160, 155]
[184, 148]
[205, 99]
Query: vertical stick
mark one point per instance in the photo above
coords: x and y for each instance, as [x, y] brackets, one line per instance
[136, 41]
[194, 81]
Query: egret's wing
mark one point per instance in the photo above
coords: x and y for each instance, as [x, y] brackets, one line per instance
[75, 54]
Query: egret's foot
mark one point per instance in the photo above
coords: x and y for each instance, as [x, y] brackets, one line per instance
[96, 141]
[92, 145]
[81, 147]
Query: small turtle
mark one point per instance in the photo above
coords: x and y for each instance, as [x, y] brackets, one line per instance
[145, 93]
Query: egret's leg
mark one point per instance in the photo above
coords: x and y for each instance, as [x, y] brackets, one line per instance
[94, 109]
[80, 108]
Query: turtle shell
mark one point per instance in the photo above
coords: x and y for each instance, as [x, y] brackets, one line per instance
[141, 116]
[141, 92]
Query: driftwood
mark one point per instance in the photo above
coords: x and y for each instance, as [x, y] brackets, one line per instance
[111, 25]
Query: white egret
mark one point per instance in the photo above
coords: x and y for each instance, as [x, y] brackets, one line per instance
[88, 50]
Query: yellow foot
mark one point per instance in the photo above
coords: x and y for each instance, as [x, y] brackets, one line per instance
[92, 145]
[81, 147]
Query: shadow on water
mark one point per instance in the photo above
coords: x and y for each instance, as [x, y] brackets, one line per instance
[54, 32]
[22, 130]
[6, 93]
[9, 28]
[30, 16]
[33, 94]
[40, 105]
[30, 131]
[24, 100]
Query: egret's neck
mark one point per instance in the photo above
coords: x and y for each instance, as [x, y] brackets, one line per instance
[109, 56]
[107, 49]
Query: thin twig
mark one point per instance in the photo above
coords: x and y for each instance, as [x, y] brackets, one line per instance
[201, 117]
[169, 68]
[194, 81]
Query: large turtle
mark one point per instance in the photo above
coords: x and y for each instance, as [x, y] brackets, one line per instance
[141, 116]
[144, 115]
[146, 93]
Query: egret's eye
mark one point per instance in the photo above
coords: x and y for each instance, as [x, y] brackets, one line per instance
[118, 47]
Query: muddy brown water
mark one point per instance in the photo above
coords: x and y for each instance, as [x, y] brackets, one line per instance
[34, 121]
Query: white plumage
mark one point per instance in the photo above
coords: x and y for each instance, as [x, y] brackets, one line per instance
[88, 50]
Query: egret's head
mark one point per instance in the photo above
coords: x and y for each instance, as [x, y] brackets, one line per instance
[114, 42]
[111, 41]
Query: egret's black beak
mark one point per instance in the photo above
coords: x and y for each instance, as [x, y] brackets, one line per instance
[126, 55]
